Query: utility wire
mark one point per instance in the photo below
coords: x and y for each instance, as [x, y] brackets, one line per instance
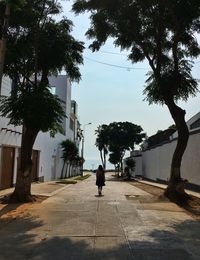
[116, 66]
[121, 54]
[115, 53]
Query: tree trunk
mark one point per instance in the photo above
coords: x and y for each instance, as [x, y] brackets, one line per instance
[22, 192]
[175, 189]
[62, 171]
[3, 40]
[121, 167]
[117, 172]
[104, 159]
[67, 172]
[101, 155]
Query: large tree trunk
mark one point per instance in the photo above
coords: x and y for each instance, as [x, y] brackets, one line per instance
[3, 40]
[175, 190]
[22, 192]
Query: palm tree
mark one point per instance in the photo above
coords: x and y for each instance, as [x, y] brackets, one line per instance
[70, 154]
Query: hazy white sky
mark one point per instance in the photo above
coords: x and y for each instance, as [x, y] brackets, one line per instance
[107, 94]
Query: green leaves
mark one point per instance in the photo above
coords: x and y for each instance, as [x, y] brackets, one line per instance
[70, 151]
[180, 85]
[67, 52]
[163, 32]
[35, 109]
[37, 42]
[117, 138]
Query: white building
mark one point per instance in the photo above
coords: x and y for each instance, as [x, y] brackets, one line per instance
[156, 160]
[46, 157]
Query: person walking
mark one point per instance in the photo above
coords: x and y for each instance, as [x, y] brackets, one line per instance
[100, 179]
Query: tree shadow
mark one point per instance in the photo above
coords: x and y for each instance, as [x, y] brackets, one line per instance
[176, 242]
[8, 208]
[5, 207]
[26, 238]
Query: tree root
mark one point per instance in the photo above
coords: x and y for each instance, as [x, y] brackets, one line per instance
[14, 198]
[179, 196]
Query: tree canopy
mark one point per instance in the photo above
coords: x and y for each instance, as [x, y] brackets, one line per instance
[37, 43]
[117, 138]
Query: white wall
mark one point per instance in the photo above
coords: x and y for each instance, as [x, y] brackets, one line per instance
[63, 91]
[156, 162]
[138, 165]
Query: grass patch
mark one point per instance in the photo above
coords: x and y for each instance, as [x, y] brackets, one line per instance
[81, 178]
[67, 181]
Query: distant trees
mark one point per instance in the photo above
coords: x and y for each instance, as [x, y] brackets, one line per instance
[119, 137]
[102, 142]
[130, 163]
[70, 157]
[164, 33]
[37, 46]
[115, 159]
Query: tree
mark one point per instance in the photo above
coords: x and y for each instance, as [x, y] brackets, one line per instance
[163, 33]
[115, 158]
[130, 164]
[123, 136]
[118, 137]
[102, 142]
[32, 35]
[70, 154]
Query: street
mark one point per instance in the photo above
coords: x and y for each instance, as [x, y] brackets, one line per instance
[124, 223]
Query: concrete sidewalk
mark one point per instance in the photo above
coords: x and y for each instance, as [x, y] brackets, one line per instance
[49, 188]
[125, 223]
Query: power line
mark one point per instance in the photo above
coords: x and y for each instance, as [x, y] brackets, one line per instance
[125, 55]
[114, 53]
[114, 65]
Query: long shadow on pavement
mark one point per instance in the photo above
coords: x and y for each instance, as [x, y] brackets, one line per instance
[20, 241]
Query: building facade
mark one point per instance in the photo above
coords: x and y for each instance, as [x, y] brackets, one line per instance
[47, 155]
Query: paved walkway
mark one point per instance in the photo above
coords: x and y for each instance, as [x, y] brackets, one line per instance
[125, 223]
[40, 188]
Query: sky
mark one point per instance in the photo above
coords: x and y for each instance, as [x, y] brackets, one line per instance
[109, 93]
